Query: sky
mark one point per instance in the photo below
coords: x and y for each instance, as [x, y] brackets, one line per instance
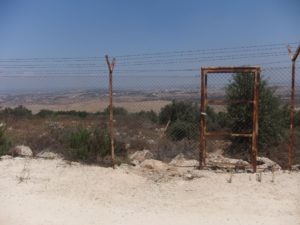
[89, 28]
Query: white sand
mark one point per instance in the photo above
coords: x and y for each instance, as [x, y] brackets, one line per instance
[56, 193]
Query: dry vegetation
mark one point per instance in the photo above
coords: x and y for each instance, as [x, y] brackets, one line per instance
[133, 132]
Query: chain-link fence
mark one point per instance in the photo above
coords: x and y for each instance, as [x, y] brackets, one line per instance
[275, 112]
[162, 114]
[158, 113]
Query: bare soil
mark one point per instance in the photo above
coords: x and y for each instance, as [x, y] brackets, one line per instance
[54, 192]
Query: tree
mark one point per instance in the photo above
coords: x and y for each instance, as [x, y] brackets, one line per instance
[273, 114]
[184, 118]
[179, 110]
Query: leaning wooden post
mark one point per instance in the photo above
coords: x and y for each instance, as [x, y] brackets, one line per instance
[111, 123]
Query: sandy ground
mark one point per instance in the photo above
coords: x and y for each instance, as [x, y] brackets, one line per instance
[53, 192]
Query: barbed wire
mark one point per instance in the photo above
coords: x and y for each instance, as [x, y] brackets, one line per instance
[89, 73]
[257, 48]
[93, 59]
[149, 62]
[138, 63]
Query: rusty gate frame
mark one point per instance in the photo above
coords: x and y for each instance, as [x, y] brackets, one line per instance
[205, 71]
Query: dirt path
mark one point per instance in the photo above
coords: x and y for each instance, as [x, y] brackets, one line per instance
[52, 192]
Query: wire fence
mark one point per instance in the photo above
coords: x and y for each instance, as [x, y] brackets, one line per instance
[162, 113]
[156, 99]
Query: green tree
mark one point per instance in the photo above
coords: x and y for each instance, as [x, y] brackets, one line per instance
[179, 110]
[272, 113]
[184, 118]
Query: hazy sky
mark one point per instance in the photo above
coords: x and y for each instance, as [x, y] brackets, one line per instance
[86, 28]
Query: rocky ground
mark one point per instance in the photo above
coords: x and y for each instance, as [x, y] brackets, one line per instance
[51, 191]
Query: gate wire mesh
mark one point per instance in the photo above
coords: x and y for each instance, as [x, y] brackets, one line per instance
[144, 105]
[229, 111]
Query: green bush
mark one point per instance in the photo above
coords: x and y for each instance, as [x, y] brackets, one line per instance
[19, 111]
[212, 119]
[117, 111]
[150, 115]
[100, 142]
[87, 145]
[81, 114]
[184, 111]
[80, 138]
[45, 113]
[5, 143]
[79, 142]
[223, 120]
[182, 129]
[297, 118]
[184, 118]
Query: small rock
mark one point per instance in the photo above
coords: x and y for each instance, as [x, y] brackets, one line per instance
[215, 160]
[174, 173]
[75, 164]
[197, 173]
[21, 150]
[154, 165]
[267, 164]
[107, 159]
[5, 157]
[134, 162]
[47, 155]
[296, 167]
[188, 176]
[180, 161]
[140, 156]
[151, 141]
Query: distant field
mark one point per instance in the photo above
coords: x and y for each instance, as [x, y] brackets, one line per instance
[92, 101]
[95, 101]
[99, 105]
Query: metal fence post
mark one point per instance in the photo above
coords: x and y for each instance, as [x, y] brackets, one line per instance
[202, 122]
[292, 109]
[255, 122]
[111, 125]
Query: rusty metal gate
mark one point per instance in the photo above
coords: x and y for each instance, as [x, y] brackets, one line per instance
[248, 128]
